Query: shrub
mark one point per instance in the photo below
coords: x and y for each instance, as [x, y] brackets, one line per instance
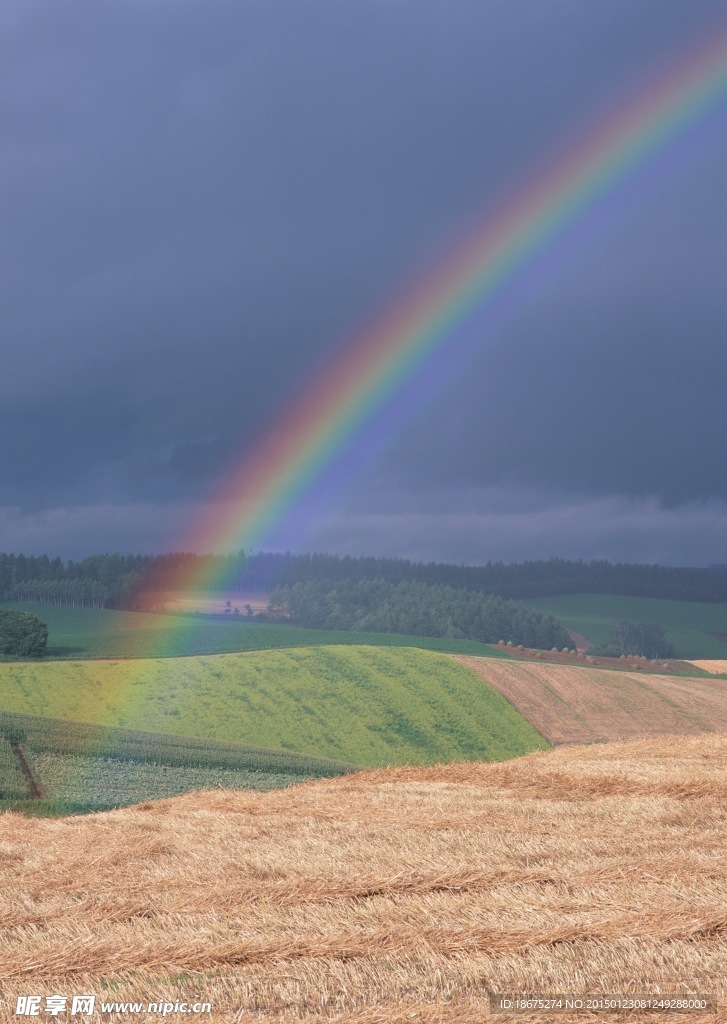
[22, 634]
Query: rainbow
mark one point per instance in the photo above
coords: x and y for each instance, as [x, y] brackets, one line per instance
[377, 364]
[352, 391]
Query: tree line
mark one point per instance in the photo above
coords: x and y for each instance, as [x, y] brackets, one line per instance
[416, 609]
[76, 593]
[99, 581]
[120, 577]
[262, 571]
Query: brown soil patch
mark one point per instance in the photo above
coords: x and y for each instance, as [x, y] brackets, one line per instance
[580, 642]
[581, 657]
[397, 895]
[575, 704]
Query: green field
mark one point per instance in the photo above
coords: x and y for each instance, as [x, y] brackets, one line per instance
[90, 767]
[101, 633]
[367, 705]
[687, 623]
[13, 785]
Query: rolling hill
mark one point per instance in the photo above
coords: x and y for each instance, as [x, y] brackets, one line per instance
[691, 626]
[368, 705]
[575, 704]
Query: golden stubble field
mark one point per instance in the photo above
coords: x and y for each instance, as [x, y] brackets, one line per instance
[397, 895]
[715, 665]
[575, 704]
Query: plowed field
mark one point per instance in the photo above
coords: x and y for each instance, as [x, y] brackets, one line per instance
[570, 704]
[399, 895]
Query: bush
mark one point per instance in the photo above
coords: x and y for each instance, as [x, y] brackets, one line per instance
[22, 634]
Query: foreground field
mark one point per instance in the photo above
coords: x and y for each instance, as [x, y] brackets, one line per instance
[689, 625]
[367, 705]
[573, 704]
[389, 896]
[103, 633]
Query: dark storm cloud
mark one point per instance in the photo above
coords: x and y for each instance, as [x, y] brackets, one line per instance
[201, 203]
[516, 526]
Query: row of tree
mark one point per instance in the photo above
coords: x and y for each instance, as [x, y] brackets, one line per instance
[262, 571]
[416, 609]
[122, 576]
[100, 581]
[76, 593]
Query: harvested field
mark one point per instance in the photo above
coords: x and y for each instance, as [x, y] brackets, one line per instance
[396, 895]
[579, 656]
[574, 704]
[714, 665]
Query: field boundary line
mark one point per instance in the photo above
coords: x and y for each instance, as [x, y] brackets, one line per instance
[36, 792]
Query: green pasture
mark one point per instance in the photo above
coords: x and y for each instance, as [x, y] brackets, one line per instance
[687, 623]
[75, 633]
[82, 767]
[367, 705]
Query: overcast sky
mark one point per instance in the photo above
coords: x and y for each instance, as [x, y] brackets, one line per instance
[202, 202]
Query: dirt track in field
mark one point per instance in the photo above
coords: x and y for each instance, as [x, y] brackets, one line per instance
[574, 704]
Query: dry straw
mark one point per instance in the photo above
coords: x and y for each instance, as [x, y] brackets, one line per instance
[406, 894]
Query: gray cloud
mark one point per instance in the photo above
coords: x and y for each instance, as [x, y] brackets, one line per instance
[618, 529]
[201, 205]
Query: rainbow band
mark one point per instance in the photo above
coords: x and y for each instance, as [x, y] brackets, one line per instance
[374, 367]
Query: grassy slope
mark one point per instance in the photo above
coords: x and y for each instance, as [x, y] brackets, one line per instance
[368, 705]
[687, 623]
[101, 633]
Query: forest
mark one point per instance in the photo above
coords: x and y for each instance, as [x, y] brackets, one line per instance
[112, 580]
[416, 609]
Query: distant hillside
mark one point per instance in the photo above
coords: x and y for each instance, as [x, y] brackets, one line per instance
[692, 627]
[76, 633]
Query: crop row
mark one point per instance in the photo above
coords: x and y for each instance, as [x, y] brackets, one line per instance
[106, 782]
[43, 735]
